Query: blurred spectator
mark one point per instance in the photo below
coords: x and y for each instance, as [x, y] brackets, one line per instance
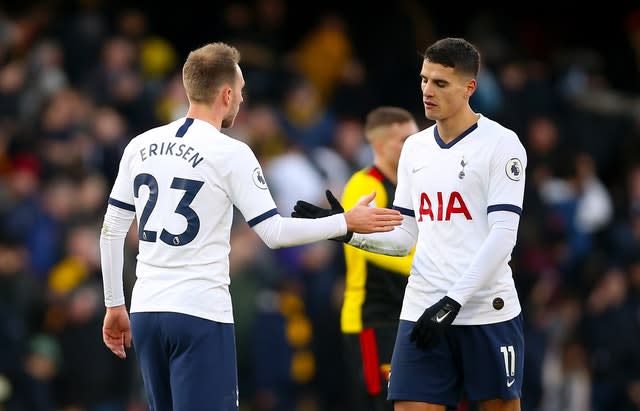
[45, 77]
[22, 302]
[257, 29]
[624, 235]
[583, 207]
[309, 271]
[349, 142]
[78, 384]
[568, 380]
[81, 262]
[82, 30]
[488, 98]
[304, 117]
[633, 386]
[158, 57]
[264, 134]
[42, 364]
[526, 86]
[20, 206]
[12, 82]
[111, 134]
[60, 132]
[614, 361]
[323, 55]
[171, 103]
[5, 139]
[51, 219]
[118, 82]
[563, 370]
[353, 97]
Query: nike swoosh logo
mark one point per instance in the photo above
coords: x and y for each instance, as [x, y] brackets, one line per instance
[441, 319]
[416, 169]
[510, 383]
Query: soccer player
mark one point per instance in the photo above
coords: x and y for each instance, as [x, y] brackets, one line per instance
[375, 283]
[181, 181]
[460, 188]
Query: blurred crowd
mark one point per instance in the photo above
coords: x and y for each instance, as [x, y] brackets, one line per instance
[78, 81]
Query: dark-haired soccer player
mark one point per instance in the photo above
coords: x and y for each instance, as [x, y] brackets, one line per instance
[461, 187]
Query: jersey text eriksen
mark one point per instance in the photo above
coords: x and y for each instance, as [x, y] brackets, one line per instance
[172, 149]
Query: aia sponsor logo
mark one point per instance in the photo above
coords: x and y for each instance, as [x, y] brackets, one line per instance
[441, 206]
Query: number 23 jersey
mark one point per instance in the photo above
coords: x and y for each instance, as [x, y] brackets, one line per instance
[182, 180]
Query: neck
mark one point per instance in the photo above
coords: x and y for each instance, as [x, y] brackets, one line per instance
[205, 113]
[451, 127]
[388, 171]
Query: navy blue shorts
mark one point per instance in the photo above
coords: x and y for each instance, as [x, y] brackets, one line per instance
[187, 363]
[479, 362]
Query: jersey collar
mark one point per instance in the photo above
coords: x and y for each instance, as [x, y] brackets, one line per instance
[442, 144]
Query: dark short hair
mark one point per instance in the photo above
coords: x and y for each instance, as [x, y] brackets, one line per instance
[455, 52]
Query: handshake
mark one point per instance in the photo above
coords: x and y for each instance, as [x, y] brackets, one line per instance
[360, 219]
[432, 324]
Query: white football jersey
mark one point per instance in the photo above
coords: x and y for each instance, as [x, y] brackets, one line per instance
[182, 180]
[451, 189]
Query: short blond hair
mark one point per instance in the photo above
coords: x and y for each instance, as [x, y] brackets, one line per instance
[385, 116]
[207, 69]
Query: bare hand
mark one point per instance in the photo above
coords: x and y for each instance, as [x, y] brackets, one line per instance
[116, 330]
[364, 219]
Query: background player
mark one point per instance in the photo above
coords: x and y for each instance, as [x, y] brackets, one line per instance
[375, 283]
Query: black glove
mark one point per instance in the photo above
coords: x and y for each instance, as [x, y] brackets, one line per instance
[433, 322]
[303, 209]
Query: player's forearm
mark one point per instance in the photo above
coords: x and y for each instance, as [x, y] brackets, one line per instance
[398, 242]
[490, 258]
[278, 231]
[112, 260]
[399, 264]
[114, 230]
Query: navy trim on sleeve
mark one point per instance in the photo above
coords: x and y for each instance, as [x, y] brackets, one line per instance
[183, 128]
[504, 207]
[405, 211]
[262, 217]
[122, 205]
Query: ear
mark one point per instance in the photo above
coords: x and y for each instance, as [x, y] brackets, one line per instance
[226, 95]
[471, 87]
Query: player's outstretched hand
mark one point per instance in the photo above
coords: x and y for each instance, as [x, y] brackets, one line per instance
[360, 219]
[365, 219]
[433, 322]
[116, 330]
[303, 209]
